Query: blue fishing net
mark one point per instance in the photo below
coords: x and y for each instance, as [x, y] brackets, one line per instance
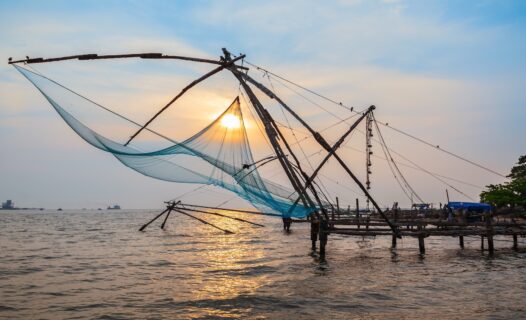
[222, 147]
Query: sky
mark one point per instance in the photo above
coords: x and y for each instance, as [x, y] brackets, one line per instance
[449, 72]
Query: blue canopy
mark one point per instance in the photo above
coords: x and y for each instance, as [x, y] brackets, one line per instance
[469, 206]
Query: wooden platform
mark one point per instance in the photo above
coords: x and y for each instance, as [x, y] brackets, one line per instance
[423, 224]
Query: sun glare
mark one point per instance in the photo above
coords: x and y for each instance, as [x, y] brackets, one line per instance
[230, 121]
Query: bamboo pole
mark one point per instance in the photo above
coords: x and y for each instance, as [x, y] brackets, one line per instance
[203, 221]
[157, 217]
[224, 216]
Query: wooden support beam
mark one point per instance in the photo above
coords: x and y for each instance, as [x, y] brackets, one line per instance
[166, 219]
[515, 242]
[482, 243]
[224, 216]
[204, 221]
[188, 87]
[93, 56]
[156, 217]
[461, 241]
[272, 134]
[170, 206]
[234, 210]
[331, 152]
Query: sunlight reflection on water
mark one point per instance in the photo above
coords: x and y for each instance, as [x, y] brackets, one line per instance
[93, 264]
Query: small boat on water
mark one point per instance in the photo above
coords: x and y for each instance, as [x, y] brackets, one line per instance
[114, 207]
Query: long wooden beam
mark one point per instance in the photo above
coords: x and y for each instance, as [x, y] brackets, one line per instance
[222, 215]
[234, 210]
[94, 56]
[203, 221]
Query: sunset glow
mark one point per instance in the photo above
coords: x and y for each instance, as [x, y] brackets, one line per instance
[230, 121]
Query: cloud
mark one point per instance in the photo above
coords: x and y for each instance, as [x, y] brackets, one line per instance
[450, 78]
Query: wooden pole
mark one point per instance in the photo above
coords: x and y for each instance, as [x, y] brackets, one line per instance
[421, 244]
[482, 243]
[324, 234]
[166, 218]
[94, 56]
[183, 91]
[358, 212]
[235, 210]
[225, 216]
[515, 242]
[489, 231]
[203, 221]
[395, 218]
[332, 152]
[338, 208]
[157, 217]
[314, 230]
[461, 241]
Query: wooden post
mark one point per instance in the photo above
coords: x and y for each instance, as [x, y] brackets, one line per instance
[166, 218]
[314, 229]
[461, 241]
[421, 244]
[395, 218]
[358, 212]
[324, 229]
[482, 243]
[515, 242]
[156, 217]
[489, 231]
[337, 208]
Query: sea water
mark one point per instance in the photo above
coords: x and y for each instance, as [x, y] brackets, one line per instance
[93, 264]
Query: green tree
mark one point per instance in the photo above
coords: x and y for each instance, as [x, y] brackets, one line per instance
[512, 193]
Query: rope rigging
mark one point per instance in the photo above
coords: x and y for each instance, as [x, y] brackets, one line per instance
[351, 109]
[394, 167]
[436, 176]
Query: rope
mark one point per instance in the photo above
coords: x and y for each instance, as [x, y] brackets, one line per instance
[388, 156]
[435, 146]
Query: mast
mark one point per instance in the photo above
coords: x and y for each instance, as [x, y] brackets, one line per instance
[272, 134]
[337, 145]
[319, 138]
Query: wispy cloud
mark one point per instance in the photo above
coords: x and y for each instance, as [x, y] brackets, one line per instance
[449, 72]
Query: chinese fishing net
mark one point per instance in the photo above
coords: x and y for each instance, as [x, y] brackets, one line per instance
[223, 145]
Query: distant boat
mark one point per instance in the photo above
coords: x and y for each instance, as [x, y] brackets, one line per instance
[59, 209]
[114, 207]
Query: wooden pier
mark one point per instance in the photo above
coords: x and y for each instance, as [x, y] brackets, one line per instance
[420, 225]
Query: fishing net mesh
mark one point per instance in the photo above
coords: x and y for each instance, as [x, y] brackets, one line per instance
[222, 147]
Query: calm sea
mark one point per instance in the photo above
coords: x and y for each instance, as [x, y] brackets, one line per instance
[96, 265]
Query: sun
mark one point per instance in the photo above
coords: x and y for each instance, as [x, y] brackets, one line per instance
[230, 121]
